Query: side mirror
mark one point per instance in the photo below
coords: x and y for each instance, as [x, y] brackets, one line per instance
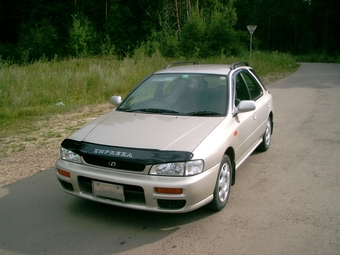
[245, 106]
[116, 100]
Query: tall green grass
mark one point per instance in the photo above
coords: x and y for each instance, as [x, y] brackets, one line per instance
[323, 58]
[58, 86]
[44, 88]
[265, 63]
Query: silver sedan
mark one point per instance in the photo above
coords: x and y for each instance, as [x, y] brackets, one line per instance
[174, 143]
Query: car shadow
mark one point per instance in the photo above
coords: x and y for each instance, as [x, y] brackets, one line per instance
[130, 228]
[37, 217]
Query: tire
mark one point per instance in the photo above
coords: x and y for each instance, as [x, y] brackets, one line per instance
[267, 137]
[222, 186]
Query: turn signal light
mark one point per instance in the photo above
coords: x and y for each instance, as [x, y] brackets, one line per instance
[64, 173]
[169, 190]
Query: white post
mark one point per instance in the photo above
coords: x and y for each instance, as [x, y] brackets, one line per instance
[251, 40]
[251, 29]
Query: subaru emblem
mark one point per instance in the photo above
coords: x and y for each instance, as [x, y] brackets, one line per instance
[112, 163]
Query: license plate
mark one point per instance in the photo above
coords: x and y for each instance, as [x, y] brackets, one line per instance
[107, 190]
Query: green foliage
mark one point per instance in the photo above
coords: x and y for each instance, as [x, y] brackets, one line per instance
[266, 63]
[192, 37]
[210, 38]
[107, 48]
[37, 40]
[7, 52]
[150, 47]
[44, 30]
[168, 44]
[82, 37]
[221, 37]
[120, 29]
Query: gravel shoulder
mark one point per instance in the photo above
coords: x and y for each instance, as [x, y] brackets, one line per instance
[28, 153]
[25, 154]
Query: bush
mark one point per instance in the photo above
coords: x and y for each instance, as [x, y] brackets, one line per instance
[169, 46]
[221, 37]
[210, 38]
[150, 47]
[192, 37]
[82, 37]
[7, 51]
[37, 40]
[106, 46]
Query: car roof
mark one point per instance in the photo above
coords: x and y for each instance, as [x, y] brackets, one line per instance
[194, 67]
[197, 68]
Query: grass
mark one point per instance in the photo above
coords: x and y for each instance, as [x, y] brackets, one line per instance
[321, 58]
[39, 90]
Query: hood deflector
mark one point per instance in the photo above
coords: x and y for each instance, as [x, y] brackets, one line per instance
[142, 156]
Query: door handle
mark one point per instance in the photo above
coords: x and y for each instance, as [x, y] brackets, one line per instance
[255, 116]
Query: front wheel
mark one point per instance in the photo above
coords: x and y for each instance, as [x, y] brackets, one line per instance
[266, 139]
[222, 186]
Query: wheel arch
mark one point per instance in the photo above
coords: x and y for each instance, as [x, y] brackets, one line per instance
[271, 115]
[231, 154]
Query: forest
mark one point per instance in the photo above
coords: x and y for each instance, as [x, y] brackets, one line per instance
[43, 29]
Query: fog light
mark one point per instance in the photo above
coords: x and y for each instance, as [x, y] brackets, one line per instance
[171, 204]
[64, 173]
[169, 190]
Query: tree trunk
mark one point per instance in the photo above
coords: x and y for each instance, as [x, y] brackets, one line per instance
[188, 8]
[177, 20]
[106, 9]
[269, 27]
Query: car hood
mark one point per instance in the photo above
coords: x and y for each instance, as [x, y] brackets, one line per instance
[149, 131]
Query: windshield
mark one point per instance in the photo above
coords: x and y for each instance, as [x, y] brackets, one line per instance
[180, 94]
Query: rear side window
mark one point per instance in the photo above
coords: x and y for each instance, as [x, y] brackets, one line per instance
[242, 92]
[254, 87]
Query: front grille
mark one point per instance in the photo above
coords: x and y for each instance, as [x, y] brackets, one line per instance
[118, 164]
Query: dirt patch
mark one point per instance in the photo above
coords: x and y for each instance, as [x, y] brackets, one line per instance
[26, 154]
[274, 77]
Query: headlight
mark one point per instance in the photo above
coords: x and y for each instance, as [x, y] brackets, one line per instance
[68, 155]
[178, 168]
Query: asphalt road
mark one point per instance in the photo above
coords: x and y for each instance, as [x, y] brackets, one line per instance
[285, 201]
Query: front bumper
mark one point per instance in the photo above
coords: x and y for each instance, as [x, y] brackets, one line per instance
[139, 188]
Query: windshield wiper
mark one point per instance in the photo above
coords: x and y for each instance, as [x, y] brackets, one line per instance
[153, 110]
[204, 113]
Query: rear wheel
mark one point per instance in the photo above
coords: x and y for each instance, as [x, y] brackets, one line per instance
[266, 139]
[222, 186]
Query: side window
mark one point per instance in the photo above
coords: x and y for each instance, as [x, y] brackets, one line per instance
[242, 92]
[254, 88]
